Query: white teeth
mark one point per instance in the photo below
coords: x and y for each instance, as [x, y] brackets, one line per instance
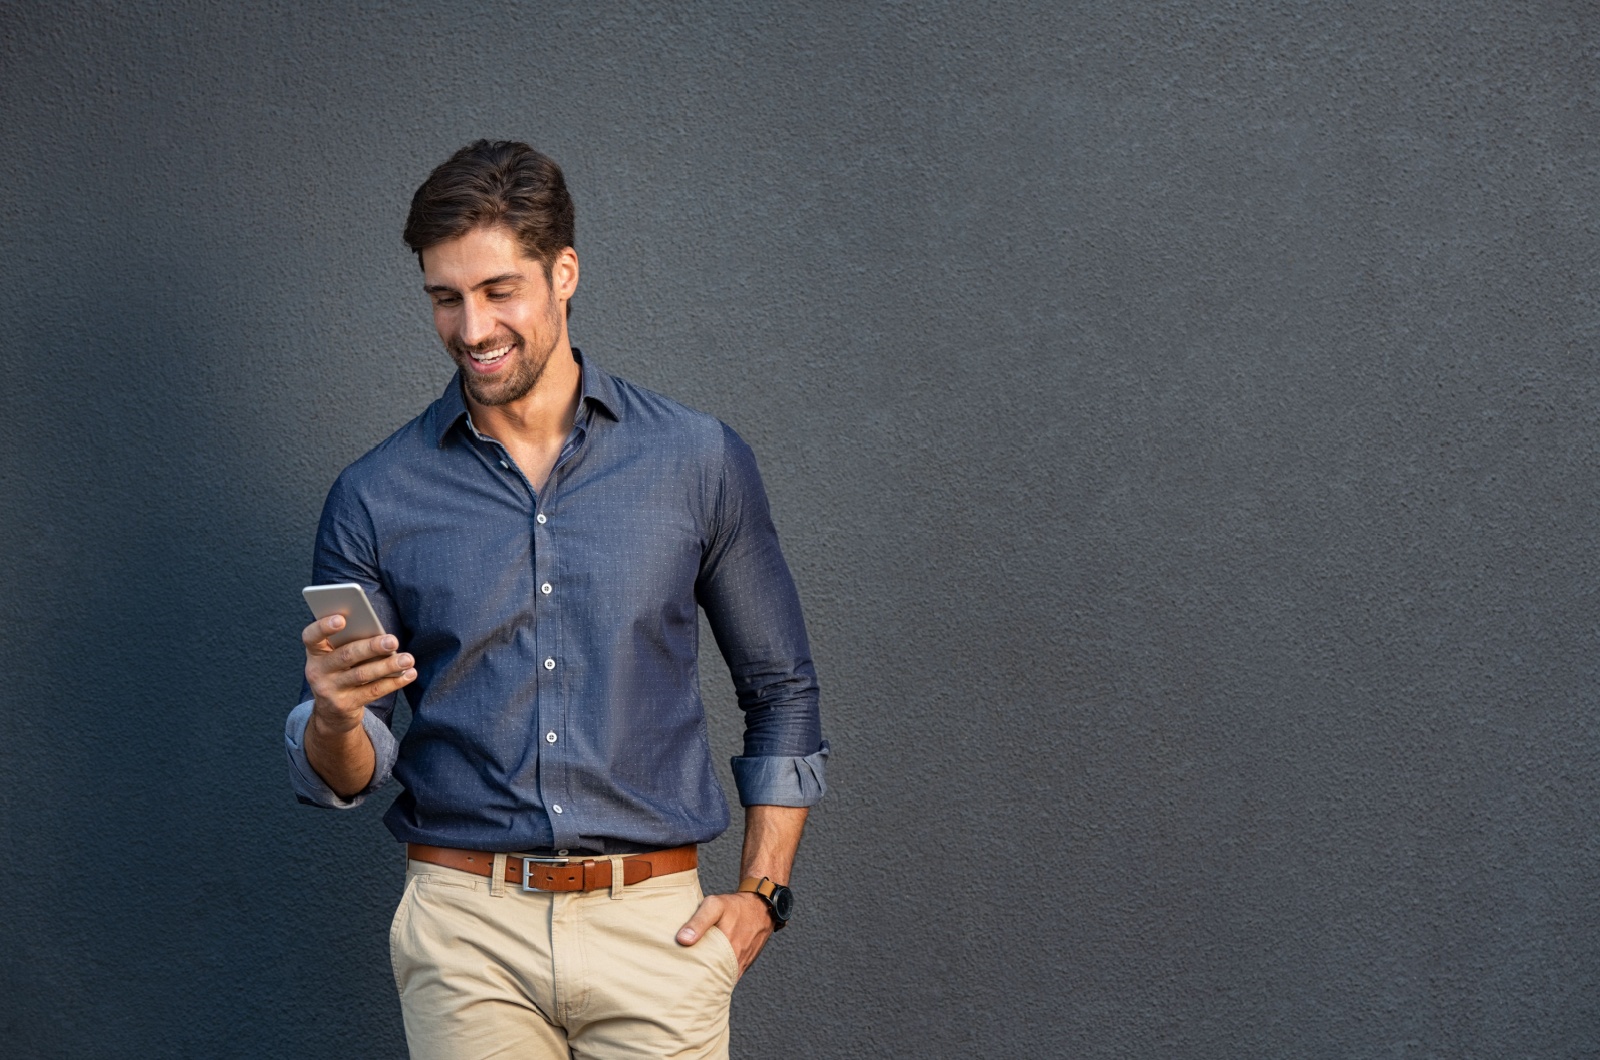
[490, 356]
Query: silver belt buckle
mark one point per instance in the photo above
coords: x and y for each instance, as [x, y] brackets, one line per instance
[527, 872]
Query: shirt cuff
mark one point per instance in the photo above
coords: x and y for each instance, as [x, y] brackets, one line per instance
[309, 788]
[782, 781]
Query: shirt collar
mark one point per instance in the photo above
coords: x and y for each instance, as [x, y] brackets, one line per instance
[597, 388]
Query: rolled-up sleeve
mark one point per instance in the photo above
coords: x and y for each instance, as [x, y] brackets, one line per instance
[309, 788]
[753, 608]
[346, 551]
[782, 780]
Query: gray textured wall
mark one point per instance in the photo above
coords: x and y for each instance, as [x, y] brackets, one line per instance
[1181, 418]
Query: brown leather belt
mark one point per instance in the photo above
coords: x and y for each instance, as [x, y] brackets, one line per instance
[584, 873]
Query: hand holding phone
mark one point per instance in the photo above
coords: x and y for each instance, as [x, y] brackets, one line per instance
[350, 660]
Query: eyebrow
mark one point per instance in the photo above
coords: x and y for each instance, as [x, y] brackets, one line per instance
[504, 277]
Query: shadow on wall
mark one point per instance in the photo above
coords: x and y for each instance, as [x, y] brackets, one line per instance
[161, 514]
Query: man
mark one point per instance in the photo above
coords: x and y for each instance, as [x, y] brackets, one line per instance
[536, 544]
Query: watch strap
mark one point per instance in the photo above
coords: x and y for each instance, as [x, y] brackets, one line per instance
[764, 888]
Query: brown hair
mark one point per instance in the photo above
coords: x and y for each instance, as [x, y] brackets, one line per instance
[495, 182]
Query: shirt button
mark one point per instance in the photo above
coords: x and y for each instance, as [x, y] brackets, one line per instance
[556, 807]
[561, 853]
[549, 664]
[505, 465]
[539, 518]
[545, 588]
[549, 737]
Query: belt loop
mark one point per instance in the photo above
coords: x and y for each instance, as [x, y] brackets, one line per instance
[497, 877]
[617, 882]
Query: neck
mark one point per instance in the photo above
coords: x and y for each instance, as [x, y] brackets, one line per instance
[546, 412]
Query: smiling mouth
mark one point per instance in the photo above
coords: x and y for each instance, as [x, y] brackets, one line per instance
[493, 356]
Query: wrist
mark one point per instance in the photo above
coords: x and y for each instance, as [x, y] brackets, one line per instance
[778, 899]
[329, 723]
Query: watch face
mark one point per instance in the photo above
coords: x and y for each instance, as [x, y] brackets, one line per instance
[782, 902]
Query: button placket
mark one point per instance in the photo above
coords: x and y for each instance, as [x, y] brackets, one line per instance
[552, 709]
[552, 703]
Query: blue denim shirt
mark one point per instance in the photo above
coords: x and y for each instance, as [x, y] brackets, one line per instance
[557, 700]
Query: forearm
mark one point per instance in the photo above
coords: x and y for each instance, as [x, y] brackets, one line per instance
[771, 839]
[343, 757]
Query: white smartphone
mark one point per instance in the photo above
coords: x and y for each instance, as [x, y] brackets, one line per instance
[347, 599]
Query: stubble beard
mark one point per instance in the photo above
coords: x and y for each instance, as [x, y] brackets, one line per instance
[521, 375]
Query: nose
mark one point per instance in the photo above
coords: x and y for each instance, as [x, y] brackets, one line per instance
[477, 323]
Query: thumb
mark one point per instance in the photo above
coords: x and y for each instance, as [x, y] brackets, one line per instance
[709, 912]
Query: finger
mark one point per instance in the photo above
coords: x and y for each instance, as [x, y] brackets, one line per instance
[378, 689]
[378, 670]
[359, 651]
[709, 913]
[335, 666]
[351, 698]
[315, 636]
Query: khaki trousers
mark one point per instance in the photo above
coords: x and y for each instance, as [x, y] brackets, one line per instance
[494, 971]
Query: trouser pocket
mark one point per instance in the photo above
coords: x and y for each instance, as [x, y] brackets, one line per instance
[399, 962]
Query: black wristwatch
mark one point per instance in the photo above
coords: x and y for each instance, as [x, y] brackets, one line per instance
[779, 899]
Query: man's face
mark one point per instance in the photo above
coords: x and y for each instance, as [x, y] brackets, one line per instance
[496, 312]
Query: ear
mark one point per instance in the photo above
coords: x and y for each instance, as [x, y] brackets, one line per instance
[564, 274]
